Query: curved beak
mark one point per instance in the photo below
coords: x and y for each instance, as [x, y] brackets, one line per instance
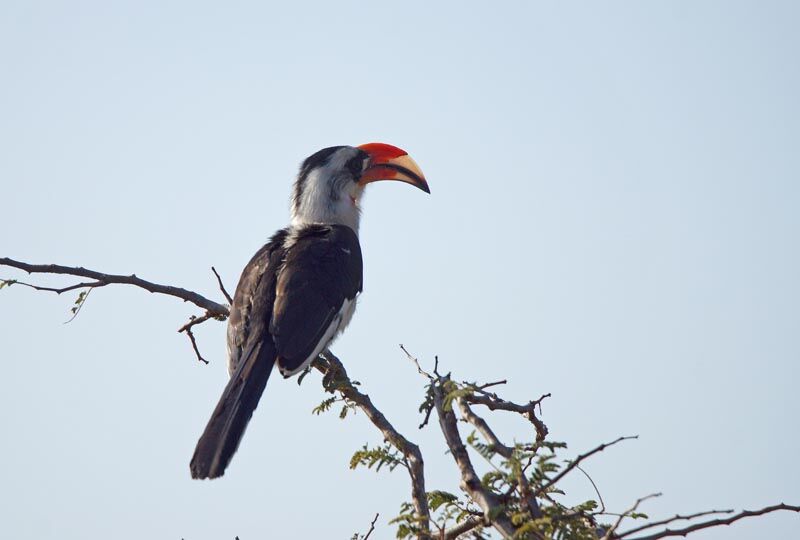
[388, 162]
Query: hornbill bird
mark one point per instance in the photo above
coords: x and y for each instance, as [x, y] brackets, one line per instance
[299, 291]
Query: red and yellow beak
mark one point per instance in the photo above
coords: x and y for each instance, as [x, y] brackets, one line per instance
[388, 162]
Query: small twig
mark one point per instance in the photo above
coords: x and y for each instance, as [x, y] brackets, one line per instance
[717, 522]
[490, 384]
[188, 330]
[602, 503]
[84, 285]
[77, 309]
[610, 532]
[426, 419]
[574, 463]
[371, 527]
[222, 287]
[416, 363]
[666, 521]
[195, 321]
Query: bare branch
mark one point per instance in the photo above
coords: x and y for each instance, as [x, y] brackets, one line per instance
[416, 363]
[495, 383]
[222, 287]
[107, 279]
[574, 463]
[84, 285]
[717, 522]
[666, 521]
[194, 345]
[470, 482]
[336, 380]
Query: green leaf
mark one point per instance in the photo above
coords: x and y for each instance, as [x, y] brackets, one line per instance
[438, 498]
[325, 406]
[377, 457]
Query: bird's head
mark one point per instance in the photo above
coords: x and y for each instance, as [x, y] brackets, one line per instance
[330, 183]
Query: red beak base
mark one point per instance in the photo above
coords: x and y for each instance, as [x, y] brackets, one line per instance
[389, 162]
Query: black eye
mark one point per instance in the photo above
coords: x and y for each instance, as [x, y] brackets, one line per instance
[356, 166]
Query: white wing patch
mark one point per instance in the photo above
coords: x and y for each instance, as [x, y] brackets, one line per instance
[338, 324]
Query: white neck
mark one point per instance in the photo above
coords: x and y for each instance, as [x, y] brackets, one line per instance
[319, 205]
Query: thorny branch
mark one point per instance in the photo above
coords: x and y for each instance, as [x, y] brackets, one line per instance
[335, 379]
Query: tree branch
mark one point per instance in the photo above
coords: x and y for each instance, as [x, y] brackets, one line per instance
[677, 517]
[495, 403]
[493, 511]
[717, 522]
[335, 379]
[461, 528]
[470, 482]
[506, 451]
[101, 280]
[371, 528]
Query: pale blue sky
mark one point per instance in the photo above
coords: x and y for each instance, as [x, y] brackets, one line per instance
[613, 219]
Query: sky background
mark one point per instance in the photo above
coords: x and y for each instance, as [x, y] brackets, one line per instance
[613, 219]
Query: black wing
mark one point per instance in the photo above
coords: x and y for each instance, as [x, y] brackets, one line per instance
[322, 270]
[252, 354]
[289, 294]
